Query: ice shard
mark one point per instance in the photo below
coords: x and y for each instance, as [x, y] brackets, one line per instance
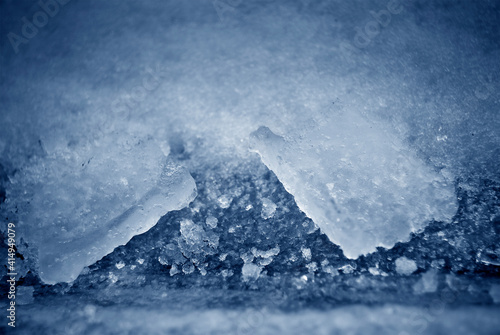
[78, 207]
[360, 184]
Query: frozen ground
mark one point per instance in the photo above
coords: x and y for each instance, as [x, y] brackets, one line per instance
[248, 167]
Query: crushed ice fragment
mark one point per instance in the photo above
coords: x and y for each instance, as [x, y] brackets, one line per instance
[306, 253]
[312, 267]
[188, 268]
[212, 222]
[268, 208]
[405, 266]
[224, 201]
[250, 271]
[174, 270]
[119, 265]
[112, 277]
[327, 268]
[247, 257]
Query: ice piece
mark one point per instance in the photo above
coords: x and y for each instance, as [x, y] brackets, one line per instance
[405, 266]
[250, 271]
[360, 184]
[212, 222]
[78, 205]
[268, 208]
[306, 253]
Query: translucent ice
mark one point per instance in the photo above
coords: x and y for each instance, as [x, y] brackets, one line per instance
[78, 204]
[360, 184]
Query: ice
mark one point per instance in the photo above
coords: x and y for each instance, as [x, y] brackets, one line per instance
[268, 209]
[306, 253]
[141, 86]
[79, 203]
[405, 266]
[119, 265]
[361, 185]
[250, 271]
[212, 222]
